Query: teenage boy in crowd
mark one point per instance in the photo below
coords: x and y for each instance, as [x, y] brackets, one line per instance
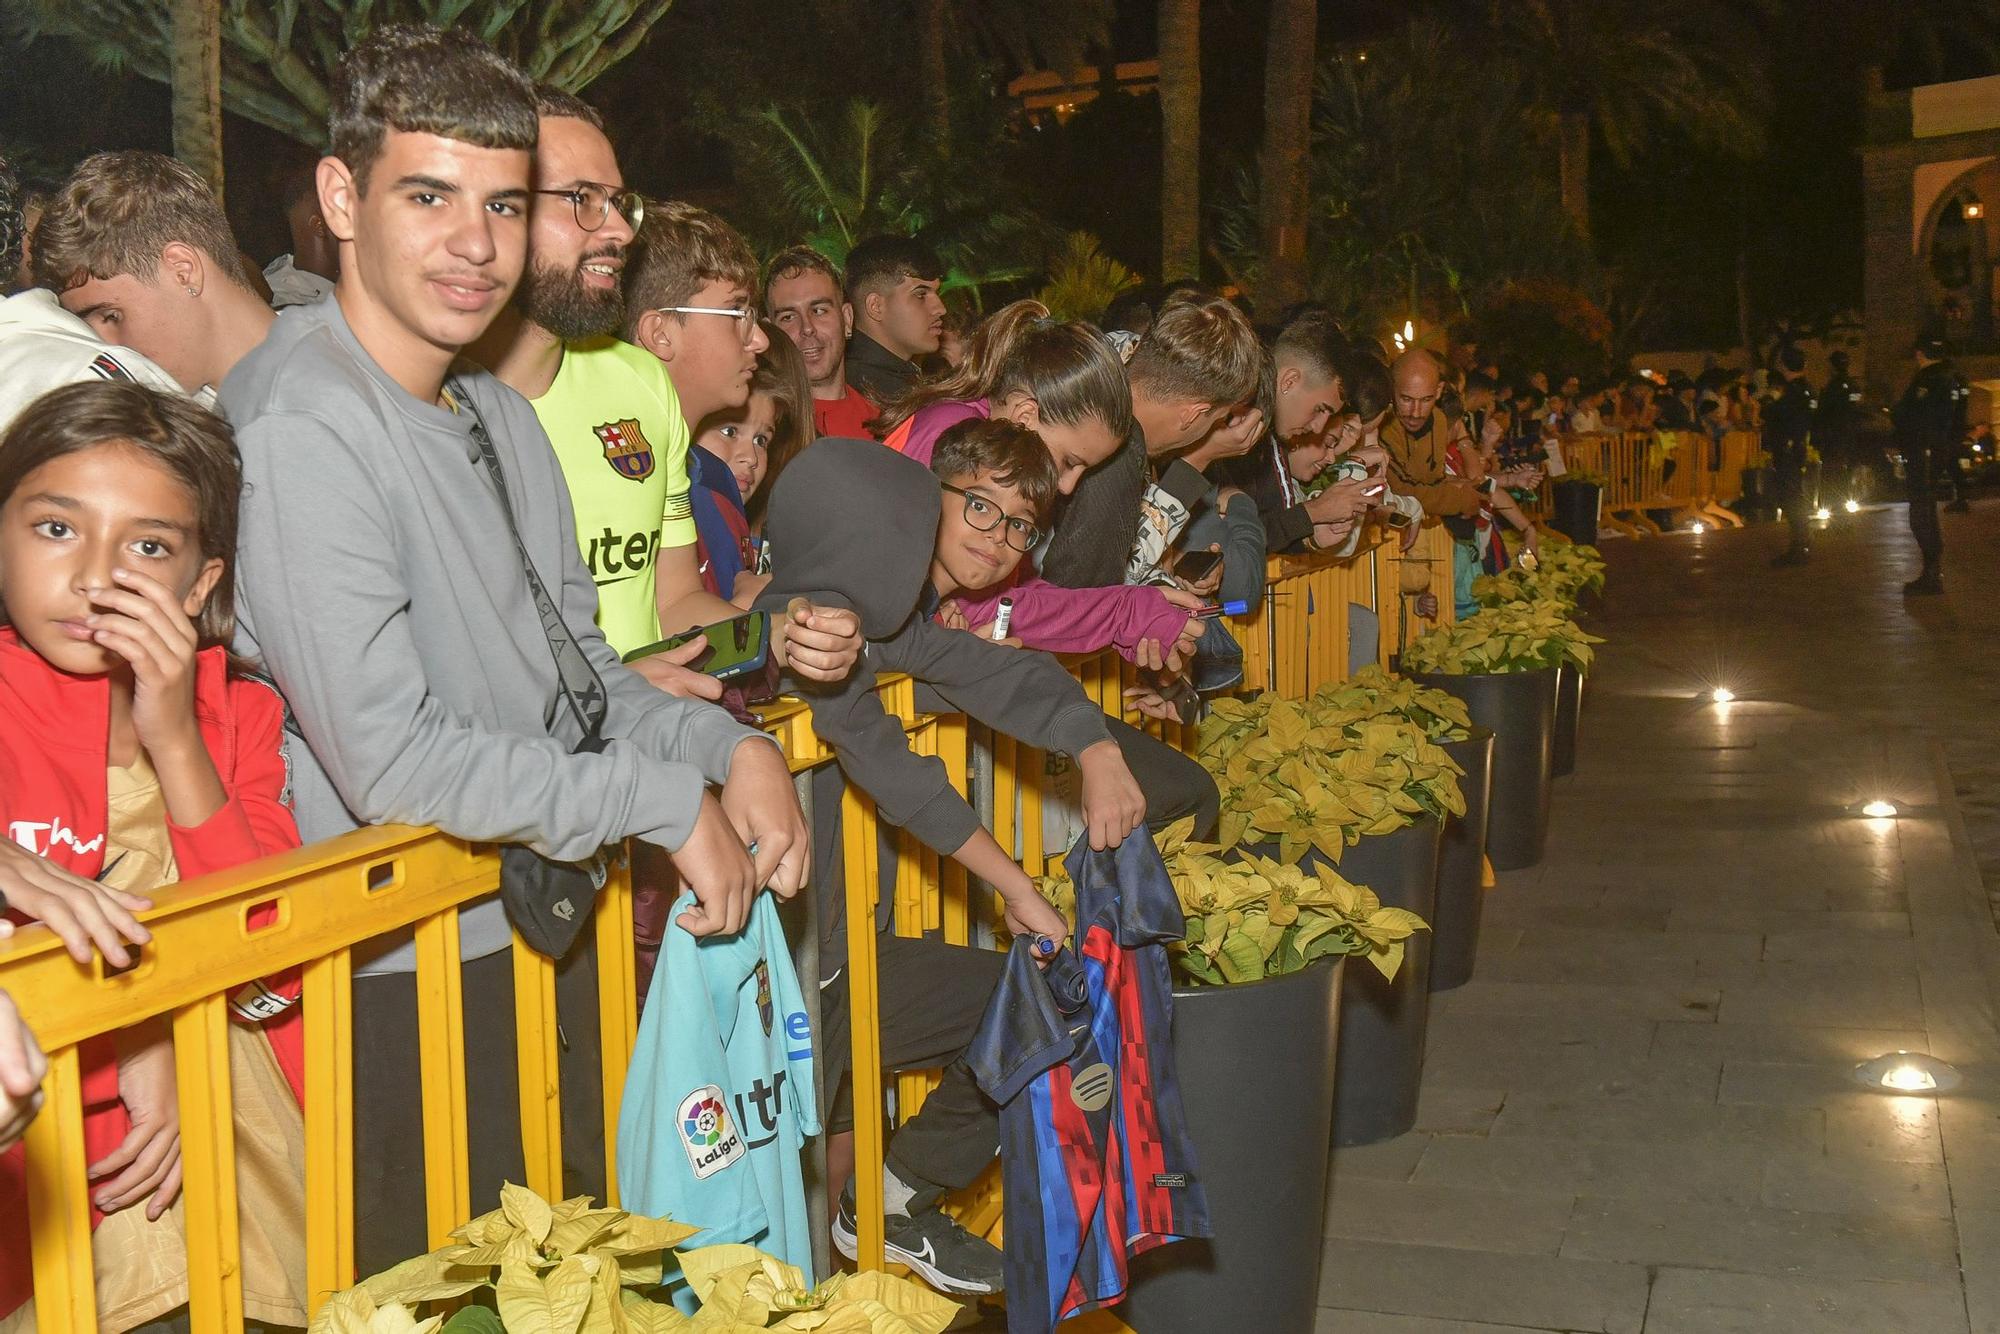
[305, 273]
[135, 245]
[858, 525]
[690, 304]
[410, 578]
[803, 295]
[611, 412]
[43, 346]
[892, 286]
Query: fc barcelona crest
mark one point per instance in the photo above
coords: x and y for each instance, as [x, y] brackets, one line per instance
[626, 449]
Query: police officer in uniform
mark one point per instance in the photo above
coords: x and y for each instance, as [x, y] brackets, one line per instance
[1929, 418]
[1788, 424]
[1839, 415]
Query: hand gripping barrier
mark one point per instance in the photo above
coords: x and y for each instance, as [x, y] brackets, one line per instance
[333, 896]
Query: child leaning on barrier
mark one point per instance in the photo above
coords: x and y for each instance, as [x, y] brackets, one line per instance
[134, 753]
[855, 525]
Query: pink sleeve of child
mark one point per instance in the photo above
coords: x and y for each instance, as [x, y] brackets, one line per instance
[1081, 620]
[931, 421]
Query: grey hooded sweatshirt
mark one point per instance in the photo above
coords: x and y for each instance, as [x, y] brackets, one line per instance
[377, 583]
[854, 524]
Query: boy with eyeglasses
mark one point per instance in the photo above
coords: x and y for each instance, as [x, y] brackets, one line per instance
[857, 525]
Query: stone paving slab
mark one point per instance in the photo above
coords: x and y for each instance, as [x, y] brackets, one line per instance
[1639, 1115]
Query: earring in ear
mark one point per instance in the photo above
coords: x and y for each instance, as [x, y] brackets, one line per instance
[191, 292]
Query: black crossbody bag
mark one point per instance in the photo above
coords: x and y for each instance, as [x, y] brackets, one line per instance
[548, 902]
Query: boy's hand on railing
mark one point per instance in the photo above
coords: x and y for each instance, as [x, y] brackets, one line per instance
[764, 808]
[22, 1068]
[670, 671]
[1327, 536]
[717, 870]
[149, 1161]
[818, 643]
[83, 913]
[1113, 805]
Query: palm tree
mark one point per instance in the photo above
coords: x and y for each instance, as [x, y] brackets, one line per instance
[1180, 152]
[196, 27]
[1288, 80]
[276, 58]
[1621, 71]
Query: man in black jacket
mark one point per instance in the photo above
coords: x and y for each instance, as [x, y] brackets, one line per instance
[1929, 419]
[892, 283]
[1788, 424]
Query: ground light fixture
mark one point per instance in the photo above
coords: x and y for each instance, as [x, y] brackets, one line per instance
[1907, 1072]
[1879, 809]
[1852, 507]
[1698, 527]
[1822, 514]
[1722, 695]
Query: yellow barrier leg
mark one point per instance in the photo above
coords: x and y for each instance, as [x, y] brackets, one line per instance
[440, 1026]
[539, 1085]
[617, 1005]
[857, 838]
[329, 1021]
[65, 1284]
[208, 1167]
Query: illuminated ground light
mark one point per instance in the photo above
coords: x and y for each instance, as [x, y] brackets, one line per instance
[1852, 507]
[1698, 527]
[1822, 514]
[1907, 1072]
[1722, 695]
[1879, 809]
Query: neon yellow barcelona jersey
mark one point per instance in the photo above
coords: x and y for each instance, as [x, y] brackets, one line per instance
[615, 421]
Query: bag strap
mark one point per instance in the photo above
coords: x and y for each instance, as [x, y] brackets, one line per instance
[581, 685]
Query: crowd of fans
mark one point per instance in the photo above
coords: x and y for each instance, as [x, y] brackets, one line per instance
[367, 537]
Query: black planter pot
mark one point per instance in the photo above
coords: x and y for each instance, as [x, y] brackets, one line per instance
[1461, 893]
[1519, 708]
[1569, 708]
[1382, 1022]
[1256, 1066]
[1574, 510]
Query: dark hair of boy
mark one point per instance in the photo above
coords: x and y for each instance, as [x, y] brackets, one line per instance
[553, 101]
[1475, 381]
[118, 211]
[679, 250]
[1013, 454]
[1314, 339]
[418, 79]
[188, 440]
[1370, 389]
[1131, 311]
[1198, 350]
[1066, 366]
[878, 263]
[781, 373]
[791, 262]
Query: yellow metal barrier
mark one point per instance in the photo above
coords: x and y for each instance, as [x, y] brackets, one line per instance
[334, 896]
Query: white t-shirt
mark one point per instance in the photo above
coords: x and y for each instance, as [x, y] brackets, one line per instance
[44, 347]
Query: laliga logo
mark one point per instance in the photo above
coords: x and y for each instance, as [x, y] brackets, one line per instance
[711, 1142]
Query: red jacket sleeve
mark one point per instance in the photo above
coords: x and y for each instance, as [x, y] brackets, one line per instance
[255, 820]
[1082, 620]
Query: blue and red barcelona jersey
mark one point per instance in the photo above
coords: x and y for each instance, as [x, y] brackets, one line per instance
[1094, 1149]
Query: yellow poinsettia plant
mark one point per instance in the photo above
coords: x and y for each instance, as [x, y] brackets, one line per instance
[569, 1268]
[1561, 574]
[1515, 637]
[1315, 776]
[1374, 692]
[1251, 917]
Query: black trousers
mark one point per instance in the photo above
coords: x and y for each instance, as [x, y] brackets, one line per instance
[1791, 479]
[388, 1110]
[1924, 525]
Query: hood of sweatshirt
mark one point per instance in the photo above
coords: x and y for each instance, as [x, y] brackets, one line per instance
[853, 524]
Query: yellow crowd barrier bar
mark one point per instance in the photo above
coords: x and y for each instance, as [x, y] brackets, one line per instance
[1678, 471]
[336, 895]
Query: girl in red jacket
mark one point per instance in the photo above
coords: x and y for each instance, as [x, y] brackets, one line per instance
[132, 755]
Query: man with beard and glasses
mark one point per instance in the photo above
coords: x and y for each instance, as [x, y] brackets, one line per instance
[609, 408]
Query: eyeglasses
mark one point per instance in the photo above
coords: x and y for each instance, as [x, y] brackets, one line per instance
[745, 316]
[592, 204]
[984, 515]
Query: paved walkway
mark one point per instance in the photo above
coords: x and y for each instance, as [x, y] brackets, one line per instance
[1638, 1115]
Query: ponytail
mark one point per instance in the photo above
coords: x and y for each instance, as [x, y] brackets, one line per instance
[1067, 367]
